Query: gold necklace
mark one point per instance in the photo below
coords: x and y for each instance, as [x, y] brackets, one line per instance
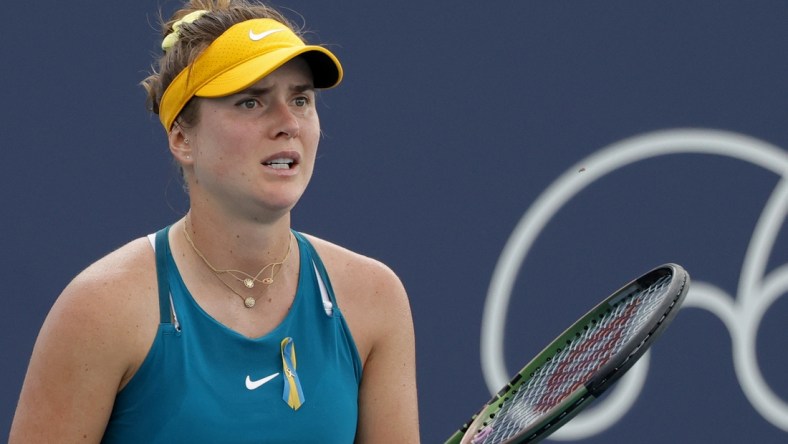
[249, 281]
[248, 300]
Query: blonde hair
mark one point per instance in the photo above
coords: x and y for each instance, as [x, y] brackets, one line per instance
[194, 38]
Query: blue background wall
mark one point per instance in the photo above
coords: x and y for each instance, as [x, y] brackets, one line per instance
[452, 122]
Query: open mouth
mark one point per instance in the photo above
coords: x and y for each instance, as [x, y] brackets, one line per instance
[280, 163]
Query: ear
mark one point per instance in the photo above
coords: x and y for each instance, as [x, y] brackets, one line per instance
[180, 145]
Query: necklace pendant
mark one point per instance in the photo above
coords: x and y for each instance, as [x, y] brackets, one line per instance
[249, 302]
[249, 283]
[268, 281]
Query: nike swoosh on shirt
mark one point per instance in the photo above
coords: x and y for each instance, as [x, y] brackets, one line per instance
[262, 35]
[252, 385]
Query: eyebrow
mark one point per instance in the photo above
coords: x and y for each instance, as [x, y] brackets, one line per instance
[256, 91]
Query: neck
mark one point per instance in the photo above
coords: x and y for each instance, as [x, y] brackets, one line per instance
[238, 244]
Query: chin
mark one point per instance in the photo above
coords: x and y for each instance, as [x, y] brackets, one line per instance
[281, 203]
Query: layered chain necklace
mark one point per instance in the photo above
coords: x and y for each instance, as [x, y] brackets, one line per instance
[248, 280]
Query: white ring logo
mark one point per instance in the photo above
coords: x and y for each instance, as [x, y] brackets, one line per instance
[742, 315]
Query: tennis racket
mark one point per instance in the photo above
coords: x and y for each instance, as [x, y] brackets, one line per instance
[581, 363]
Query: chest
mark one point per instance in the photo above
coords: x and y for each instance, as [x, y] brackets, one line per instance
[204, 382]
[200, 384]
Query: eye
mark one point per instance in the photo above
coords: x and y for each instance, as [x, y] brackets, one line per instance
[301, 101]
[249, 103]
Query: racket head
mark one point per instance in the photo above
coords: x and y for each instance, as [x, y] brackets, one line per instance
[581, 363]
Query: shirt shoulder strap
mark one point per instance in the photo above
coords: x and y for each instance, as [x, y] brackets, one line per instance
[324, 283]
[162, 250]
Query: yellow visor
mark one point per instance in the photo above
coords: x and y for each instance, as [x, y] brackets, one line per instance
[240, 57]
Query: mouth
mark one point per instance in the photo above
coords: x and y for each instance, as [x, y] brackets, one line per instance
[282, 161]
[280, 164]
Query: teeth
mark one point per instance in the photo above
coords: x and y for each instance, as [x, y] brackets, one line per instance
[281, 164]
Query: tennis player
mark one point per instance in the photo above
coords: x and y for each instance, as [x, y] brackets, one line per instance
[229, 326]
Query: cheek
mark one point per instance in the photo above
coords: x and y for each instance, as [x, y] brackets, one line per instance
[310, 133]
[310, 143]
[221, 142]
[219, 155]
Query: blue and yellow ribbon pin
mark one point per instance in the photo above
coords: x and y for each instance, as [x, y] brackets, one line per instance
[292, 395]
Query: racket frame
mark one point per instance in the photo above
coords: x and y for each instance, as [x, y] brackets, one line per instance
[604, 377]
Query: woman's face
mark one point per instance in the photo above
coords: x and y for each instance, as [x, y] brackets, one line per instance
[255, 150]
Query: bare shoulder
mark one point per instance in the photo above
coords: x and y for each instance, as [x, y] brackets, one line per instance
[110, 308]
[93, 339]
[364, 278]
[369, 293]
[115, 287]
[117, 297]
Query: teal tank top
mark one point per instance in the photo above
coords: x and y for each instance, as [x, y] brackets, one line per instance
[204, 383]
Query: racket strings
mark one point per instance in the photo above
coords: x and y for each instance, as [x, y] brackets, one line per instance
[572, 366]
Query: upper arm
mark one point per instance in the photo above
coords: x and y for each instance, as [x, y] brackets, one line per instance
[85, 350]
[388, 406]
[379, 316]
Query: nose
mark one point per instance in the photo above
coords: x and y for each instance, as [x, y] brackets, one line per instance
[285, 123]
